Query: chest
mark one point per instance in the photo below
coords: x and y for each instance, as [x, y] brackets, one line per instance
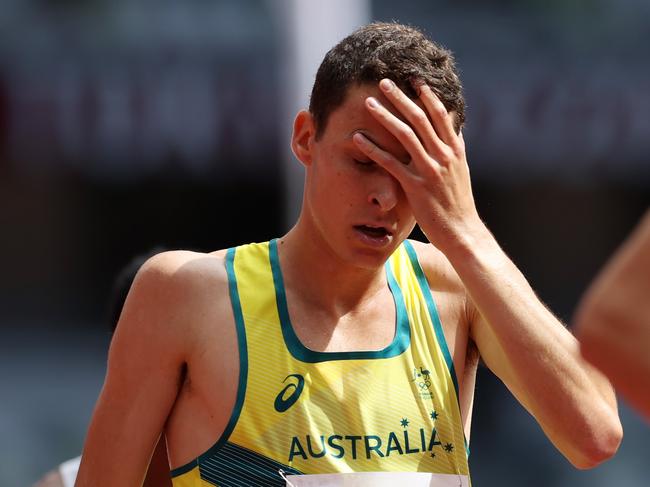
[387, 409]
[371, 326]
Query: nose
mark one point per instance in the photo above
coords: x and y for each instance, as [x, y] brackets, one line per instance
[385, 192]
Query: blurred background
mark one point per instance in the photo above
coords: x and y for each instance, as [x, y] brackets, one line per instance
[131, 124]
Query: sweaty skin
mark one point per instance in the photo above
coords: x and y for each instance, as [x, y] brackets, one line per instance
[383, 162]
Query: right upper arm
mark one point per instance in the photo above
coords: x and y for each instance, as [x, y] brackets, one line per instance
[152, 342]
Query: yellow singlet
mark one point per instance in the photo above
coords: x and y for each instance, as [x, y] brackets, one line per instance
[307, 412]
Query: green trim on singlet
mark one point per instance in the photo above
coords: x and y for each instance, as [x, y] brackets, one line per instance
[435, 319]
[433, 311]
[243, 369]
[399, 344]
[235, 466]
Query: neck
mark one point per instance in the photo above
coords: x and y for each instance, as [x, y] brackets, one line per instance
[334, 285]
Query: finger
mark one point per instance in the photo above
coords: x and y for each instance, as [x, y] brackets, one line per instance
[384, 159]
[401, 130]
[416, 117]
[442, 120]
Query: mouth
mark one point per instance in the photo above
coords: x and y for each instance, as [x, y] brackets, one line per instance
[375, 236]
[371, 231]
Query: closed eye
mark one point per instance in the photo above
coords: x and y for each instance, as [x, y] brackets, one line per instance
[366, 163]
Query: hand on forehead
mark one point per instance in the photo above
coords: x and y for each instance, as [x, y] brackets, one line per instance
[401, 114]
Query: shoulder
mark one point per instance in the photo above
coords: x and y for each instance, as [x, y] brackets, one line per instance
[170, 266]
[439, 272]
[174, 297]
[181, 277]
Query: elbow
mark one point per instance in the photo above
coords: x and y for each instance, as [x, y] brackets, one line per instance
[600, 447]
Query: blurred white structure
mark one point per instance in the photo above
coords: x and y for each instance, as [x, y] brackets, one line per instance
[310, 29]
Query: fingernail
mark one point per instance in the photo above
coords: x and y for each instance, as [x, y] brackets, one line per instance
[372, 102]
[386, 84]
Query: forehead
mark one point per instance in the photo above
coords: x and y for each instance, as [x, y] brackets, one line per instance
[352, 116]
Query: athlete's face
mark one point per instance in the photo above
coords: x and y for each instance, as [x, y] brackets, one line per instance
[353, 205]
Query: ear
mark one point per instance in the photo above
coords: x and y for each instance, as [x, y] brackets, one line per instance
[303, 135]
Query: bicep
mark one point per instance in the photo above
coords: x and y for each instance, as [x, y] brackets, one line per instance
[495, 357]
[142, 381]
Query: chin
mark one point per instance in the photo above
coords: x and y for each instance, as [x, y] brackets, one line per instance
[371, 258]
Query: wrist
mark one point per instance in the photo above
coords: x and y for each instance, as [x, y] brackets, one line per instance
[468, 244]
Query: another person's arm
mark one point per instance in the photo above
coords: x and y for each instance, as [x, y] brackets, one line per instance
[51, 479]
[157, 474]
[519, 339]
[613, 319]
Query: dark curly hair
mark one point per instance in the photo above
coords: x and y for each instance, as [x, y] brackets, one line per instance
[385, 50]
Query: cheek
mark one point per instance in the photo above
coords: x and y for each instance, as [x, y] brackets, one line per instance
[342, 188]
[333, 196]
[407, 219]
[409, 228]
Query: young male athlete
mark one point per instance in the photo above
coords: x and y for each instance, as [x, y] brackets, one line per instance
[342, 348]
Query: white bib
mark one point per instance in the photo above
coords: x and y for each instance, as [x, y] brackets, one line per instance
[377, 479]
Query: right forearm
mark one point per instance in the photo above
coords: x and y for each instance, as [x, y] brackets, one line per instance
[110, 457]
[126, 425]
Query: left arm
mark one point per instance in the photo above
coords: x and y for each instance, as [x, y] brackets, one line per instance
[519, 339]
[536, 356]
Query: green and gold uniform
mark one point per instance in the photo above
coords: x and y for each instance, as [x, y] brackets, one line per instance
[307, 412]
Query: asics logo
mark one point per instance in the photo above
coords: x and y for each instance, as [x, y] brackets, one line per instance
[290, 394]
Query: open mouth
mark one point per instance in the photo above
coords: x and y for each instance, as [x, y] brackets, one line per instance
[374, 232]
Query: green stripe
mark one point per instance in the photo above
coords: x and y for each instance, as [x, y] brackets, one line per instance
[236, 466]
[433, 311]
[243, 369]
[402, 329]
[435, 319]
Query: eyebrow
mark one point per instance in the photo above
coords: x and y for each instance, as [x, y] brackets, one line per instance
[367, 135]
[359, 130]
